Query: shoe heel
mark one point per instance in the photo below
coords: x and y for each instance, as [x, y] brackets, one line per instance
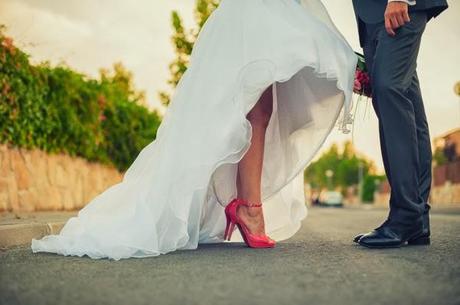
[229, 228]
[420, 241]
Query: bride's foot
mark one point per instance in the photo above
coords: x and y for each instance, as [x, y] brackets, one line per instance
[250, 220]
[253, 218]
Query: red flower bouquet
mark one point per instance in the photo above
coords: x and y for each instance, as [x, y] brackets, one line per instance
[362, 85]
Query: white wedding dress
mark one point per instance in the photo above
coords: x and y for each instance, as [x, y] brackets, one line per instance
[173, 195]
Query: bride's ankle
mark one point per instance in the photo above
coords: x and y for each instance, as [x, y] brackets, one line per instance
[251, 211]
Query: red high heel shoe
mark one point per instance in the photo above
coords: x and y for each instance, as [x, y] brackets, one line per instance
[252, 240]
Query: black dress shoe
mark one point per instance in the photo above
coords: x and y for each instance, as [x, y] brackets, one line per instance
[358, 237]
[395, 235]
[422, 240]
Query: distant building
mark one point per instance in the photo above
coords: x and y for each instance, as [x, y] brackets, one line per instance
[449, 145]
[446, 175]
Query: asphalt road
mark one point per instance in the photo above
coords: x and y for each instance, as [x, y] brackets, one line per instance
[320, 265]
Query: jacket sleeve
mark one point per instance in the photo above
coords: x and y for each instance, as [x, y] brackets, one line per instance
[410, 2]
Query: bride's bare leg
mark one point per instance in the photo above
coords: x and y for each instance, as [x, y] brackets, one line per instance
[250, 167]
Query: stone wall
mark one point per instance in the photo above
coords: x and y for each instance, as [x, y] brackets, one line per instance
[32, 180]
[447, 195]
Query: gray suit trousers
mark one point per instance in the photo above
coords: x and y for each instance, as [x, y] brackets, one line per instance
[398, 103]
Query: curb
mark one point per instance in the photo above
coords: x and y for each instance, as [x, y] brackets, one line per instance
[22, 234]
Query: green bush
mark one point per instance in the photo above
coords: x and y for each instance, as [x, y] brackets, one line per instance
[370, 185]
[59, 110]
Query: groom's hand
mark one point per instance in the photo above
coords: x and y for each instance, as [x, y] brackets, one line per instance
[396, 15]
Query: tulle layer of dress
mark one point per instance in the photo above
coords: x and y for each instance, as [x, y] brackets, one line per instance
[173, 195]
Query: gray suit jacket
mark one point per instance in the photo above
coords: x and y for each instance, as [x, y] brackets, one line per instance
[372, 11]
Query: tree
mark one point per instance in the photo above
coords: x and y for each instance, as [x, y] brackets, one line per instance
[345, 165]
[183, 41]
[457, 88]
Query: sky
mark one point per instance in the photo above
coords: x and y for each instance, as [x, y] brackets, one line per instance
[88, 35]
